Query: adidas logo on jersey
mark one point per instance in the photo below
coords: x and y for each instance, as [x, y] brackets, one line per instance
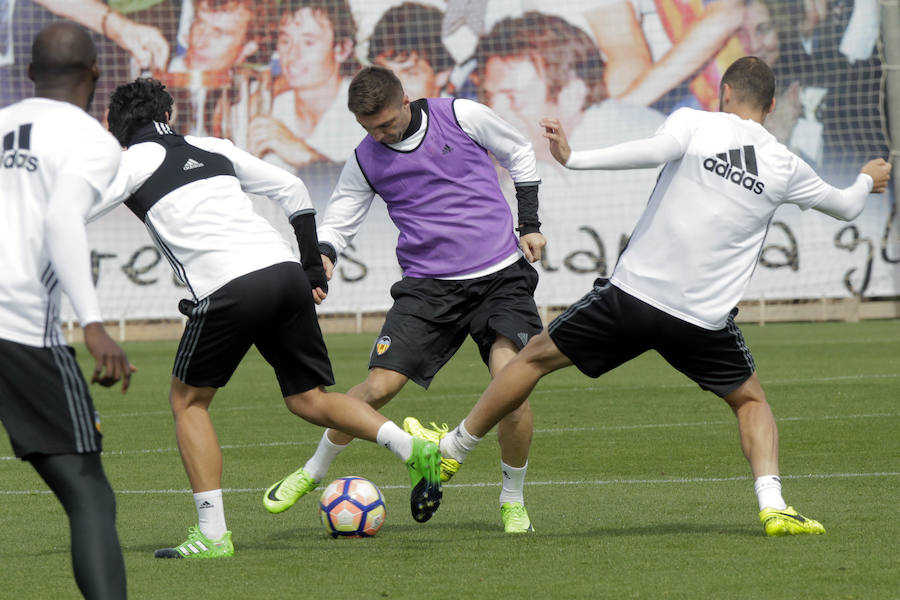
[15, 150]
[738, 166]
[191, 164]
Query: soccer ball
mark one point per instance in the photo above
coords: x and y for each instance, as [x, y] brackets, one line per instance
[352, 507]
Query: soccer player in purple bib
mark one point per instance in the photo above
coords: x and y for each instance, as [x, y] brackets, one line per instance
[465, 271]
[247, 288]
[688, 262]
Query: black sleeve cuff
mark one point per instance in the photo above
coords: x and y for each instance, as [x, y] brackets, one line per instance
[329, 251]
[304, 225]
[526, 229]
[527, 198]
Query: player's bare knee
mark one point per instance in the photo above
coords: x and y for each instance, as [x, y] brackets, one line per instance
[183, 396]
[379, 388]
[305, 404]
[750, 393]
[542, 354]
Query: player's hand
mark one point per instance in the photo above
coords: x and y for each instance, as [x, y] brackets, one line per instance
[880, 172]
[112, 362]
[531, 244]
[559, 145]
[318, 293]
[329, 267]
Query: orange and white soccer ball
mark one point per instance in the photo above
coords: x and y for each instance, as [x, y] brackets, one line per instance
[352, 507]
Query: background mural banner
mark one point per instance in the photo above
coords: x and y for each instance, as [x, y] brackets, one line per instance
[272, 76]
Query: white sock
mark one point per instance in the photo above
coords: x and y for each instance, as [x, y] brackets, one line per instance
[513, 483]
[458, 443]
[326, 452]
[394, 439]
[211, 513]
[768, 492]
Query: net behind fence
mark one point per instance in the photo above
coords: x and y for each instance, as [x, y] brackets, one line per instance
[272, 76]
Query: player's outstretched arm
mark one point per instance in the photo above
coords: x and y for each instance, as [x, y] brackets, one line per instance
[880, 172]
[808, 189]
[559, 144]
[112, 363]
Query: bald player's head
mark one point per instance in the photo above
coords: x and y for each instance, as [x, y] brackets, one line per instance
[64, 64]
[62, 50]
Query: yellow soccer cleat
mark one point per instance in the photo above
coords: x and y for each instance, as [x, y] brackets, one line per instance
[515, 518]
[283, 494]
[412, 426]
[788, 522]
[199, 546]
[425, 478]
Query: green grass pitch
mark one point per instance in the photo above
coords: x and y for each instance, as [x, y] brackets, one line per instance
[636, 486]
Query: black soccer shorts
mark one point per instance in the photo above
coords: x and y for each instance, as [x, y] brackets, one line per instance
[44, 401]
[272, 308]
[431, 318]
[609, 327]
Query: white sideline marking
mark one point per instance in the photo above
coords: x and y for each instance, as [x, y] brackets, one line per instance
[825, 342]
[703, 423]
[112, 453]
[586, 482]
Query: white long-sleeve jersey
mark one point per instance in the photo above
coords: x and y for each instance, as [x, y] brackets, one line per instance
[56, 160]
[191, 197]
[695, 247]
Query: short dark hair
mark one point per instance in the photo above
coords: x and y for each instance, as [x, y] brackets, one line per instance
[555, 46]
[411, 27]
[752, 82]
[373, 89]
[136, 104]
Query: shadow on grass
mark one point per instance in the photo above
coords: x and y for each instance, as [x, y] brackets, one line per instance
[436, 532]
[452, 531]
[649, 529]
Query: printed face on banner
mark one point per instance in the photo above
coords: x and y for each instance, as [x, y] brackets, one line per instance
[217, 36]
[415, 73]
[513, 87]
[758, 34]
[306, 49]
[828, 110]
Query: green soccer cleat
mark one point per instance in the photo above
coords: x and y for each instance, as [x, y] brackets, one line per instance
[199, 546]
[788, 522]
[285, 493]
[515, 518]
[425, 479]
[412, 426]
